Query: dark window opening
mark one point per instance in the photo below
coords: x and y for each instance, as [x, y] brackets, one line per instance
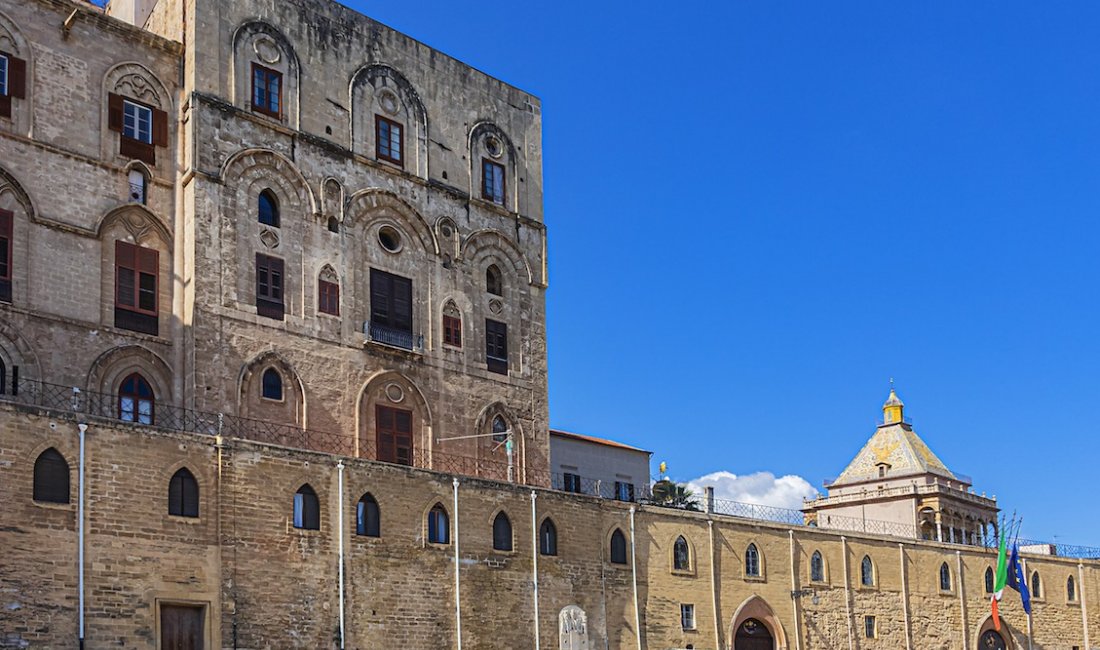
[817, 568]
[328, 297]
[393, 434]
[492, 181]
[368, 521]
[307, 509]
[136, 401]
[496, 346]
[681, 556]
[51, 478]
[269, 286]
[272, 385]
[572, 483]
[267, 91]
[752, 561]
[624, 491]
[267, 209]
[502, 533]
[439, 530]
[618, 547]
[13, 81]
[866, 572]
[389, 144]
[136, 291]
[452, 330]
[494, 280]
[7, 225]
[183, 494]
[548, 538]
[500, 429]
[989, 580]
[945, 577]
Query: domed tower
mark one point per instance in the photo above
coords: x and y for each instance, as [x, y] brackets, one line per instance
[896, 485]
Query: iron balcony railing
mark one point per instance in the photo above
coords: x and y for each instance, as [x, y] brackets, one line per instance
[393, 337]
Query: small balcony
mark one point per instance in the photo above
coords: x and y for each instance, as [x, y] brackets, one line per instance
[393, 337]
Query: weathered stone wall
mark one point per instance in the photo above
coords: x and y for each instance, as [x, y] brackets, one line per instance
[266, 584]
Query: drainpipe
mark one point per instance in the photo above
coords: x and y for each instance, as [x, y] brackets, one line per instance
[796, 598]
[634, 577]
[714, 583]
[458, 599]
[1084, 604]
[535, 564]
[962, 600]
[848, 594]
[905, 597]
[83, 428]
[340, 546]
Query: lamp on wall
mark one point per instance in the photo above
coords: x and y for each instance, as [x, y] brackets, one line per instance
[806, 591]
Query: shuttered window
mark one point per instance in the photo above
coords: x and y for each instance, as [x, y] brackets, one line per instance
[452, 330]
[391, 301]
[183, 494]
[328, 297]
[393, 434]
[136, 279]
[496, 346]
[51, 477]
[13, 81]
[7, 223]
[269, 286]
[141, 128]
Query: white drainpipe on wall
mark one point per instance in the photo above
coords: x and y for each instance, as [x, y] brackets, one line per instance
[634, 576]
[458, 599]
[535, 564]
[848, 594]
[340, 545]
[1084, 603]
[83, 428]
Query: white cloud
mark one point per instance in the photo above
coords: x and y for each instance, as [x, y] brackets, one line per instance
[761, 488]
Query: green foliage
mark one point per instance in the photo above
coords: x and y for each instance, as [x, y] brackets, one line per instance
[674, 495]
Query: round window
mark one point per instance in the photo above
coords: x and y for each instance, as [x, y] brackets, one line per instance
[389, 238]
[494, 147]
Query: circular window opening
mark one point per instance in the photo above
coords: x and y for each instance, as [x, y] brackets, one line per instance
[389, 238]
[494, 147]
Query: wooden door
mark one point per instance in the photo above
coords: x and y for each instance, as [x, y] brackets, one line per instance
[181, 627]
[753, 635]
[394, 435]
[991, 640]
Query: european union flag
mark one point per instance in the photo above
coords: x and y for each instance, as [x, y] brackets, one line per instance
[1017, 580]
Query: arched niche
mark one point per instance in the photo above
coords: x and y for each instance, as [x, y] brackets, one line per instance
[256, 43]
[137, 225]
[289, 408]
[113, 366]
[15, 200]
[394, 422]
[379, 90]
[489, 144]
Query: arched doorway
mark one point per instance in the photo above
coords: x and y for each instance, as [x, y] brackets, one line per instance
[991, 640]
[753, 635]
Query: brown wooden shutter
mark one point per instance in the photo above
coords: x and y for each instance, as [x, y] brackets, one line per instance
[6, 219]
[5, 106]
[160, 128]
[17, 77]
[51, 478]
[114, 112]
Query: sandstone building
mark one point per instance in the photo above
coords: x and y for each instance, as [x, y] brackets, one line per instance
[273, 374]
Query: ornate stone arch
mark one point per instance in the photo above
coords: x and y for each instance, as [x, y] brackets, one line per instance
[1013, 639]
[13, 42]
[489, 141]
[491, 453]
[368, 208]
[250, 402]
[132, 79]
[135, 224]
[256, 164]
[256, 41]
[15, 350]
[484, 247]
[139, 221]
[757, 608]
[114, 365]
[14, 198]
[392, 389]
[379, 89]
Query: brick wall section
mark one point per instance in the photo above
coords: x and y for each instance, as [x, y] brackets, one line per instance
[266, 584]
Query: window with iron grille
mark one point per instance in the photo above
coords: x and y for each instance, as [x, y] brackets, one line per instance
[267, 91]
[687, 616]
[183, 494]
[51, 478]
[492, 181]
[624, 491]
[136, 279]
[269, 286]
[389, 144]
[7, 223]
[496, 346]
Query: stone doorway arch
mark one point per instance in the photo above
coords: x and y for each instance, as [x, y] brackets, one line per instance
[989, 638]
[756, 627]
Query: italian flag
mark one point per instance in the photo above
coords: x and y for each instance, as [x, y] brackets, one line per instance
[999, 580]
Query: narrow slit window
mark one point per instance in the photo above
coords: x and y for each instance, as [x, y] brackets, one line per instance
[548, 538]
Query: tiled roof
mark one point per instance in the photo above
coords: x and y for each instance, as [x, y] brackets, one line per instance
[595, 440]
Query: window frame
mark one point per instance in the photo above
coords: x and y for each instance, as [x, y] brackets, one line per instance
[867, 572]
[386, 305]
[1036, 585]
[494, 280]
[328, 297]
[817, 567]
[496, 346]
[687, 616]
[183, 494]
[47, 488]
[128, 257]
[268, 304]
[379, 122]
[5, 67]
[140, 110]
[754, 565]
[870, 627]
[624, 491]
[488, 184]
[367, 525]
[681, 555]
[274, 214]
[15, 75]
[272, 372]
[306, 503]
[452, 330]
[136, 416]
[618, 553]
[945, 578]
[395, 435]
[571, 480]
[989, 580]
[503, 535]
[548, 538]
[438, 530]
[7, 248]
[269, 74]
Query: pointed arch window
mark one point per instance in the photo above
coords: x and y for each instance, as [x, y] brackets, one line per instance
[618, 547]
[267, 211]
[1071, 590]
[548, 537]
[183, 494]
[817, 567]
[307, 509]
[502, 533]
[1036, 586]
[681, 555]
[328, 292]
[272, 385]
[867, 572]
[439, 527]
[452, 325]
[945, 577]
[752, 561]
[368, 519]
[500, 429]
[494, 280]
[989, 580]
[136, 401]
[51, 477]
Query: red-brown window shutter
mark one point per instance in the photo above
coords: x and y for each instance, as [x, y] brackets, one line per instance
[17, 77]
[160, 128]
[5, 105]
[114, 112]
[6, 219]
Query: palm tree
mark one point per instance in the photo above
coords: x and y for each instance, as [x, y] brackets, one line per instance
[674, 495]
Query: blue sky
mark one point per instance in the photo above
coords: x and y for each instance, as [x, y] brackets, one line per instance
[759, 212]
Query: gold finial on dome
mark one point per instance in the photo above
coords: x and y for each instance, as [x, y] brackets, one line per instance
[893, 409]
